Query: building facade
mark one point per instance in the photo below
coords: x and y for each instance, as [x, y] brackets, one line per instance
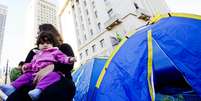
[38, 12]
[3, 14]
[98, 22]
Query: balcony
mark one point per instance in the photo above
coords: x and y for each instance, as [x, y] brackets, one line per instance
[143, 14]
[112, 21]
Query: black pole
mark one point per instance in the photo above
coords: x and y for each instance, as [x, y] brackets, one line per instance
[6, 74]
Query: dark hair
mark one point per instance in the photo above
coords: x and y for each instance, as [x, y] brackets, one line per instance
[21, 63]
[51, 28]
[46, 36]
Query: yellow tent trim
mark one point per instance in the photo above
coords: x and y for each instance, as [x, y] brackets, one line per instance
[150, 68]
[186, 15]
[100, 78]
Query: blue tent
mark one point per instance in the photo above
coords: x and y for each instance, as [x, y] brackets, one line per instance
[167, 51]
[85, 79]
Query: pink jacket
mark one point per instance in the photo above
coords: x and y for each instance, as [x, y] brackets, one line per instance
[46, 57]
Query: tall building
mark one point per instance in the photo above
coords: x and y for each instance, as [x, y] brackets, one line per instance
[3, 14]
[38, 12]
[98, 22]
[66, 23]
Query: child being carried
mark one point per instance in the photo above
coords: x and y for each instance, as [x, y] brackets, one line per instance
[48, 54]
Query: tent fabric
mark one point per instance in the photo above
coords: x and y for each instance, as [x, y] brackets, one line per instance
[167, 82]
[124, 77]
[85, 79]
[178, 37]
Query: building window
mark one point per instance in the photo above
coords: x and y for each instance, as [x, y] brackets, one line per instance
[85, 37]
[79, 42]
[102, 43]
[73, 7]
[81, 18]
[136, 6]
[93, 4]
[96, 15]
[79, 10]
[94, 48]
[75, 23]
[87, 12]
[91, 31]
[83, 27]
[85, 3]
[114, 40]
[110, 12]
[86, 52]
[89, 21]
[80, 56]
[99, 26]
[77, 31]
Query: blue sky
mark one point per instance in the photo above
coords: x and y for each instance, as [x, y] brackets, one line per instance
[13, 50]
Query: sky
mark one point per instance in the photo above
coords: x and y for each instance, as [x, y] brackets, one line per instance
[13, 46]
[15, 24]
[13, 35]
[187, 6]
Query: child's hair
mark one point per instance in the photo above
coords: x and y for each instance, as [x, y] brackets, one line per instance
[46, 37]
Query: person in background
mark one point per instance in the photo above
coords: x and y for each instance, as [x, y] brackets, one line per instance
[16, 72]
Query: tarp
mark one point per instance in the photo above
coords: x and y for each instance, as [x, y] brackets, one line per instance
[85, 79]
[171, 44]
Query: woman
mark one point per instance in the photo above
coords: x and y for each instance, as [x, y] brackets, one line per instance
[63, 90]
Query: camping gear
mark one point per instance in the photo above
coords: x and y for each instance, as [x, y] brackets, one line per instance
[166, 54]
[85, 79]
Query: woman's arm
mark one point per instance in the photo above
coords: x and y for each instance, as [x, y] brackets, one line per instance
[65, 68]
[66, 49]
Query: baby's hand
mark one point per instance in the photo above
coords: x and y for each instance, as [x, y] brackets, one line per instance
[72, 59]
[24, 68]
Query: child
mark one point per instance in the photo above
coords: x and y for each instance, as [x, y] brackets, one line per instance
[47, 55]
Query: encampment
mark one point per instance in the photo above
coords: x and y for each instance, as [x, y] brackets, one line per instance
[162, 58]
[85, 79]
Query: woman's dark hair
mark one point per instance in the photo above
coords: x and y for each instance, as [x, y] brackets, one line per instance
[46, 37]
[51, 28]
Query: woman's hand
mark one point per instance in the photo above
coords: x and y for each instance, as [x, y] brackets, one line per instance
[42, 73]
[24, 68]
